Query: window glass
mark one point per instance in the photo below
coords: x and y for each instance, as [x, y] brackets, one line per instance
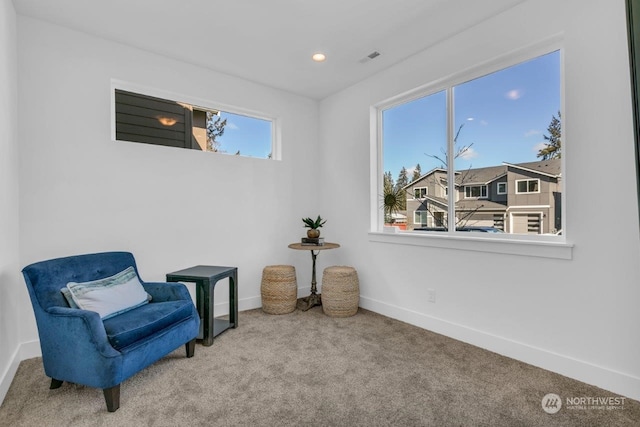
[159, 121]
[505, 130]
[528, 186]
[245, 136]
[421, 218]
[419, 192]
[409, 131]
[476, 191]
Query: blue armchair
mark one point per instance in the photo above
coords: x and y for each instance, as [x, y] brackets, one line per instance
[80, 347]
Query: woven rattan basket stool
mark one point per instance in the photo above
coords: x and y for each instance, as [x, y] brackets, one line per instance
[279, 289]
[340, 291]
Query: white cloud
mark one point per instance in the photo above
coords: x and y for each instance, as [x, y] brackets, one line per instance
[232, 126]
[532, 132]
[470, 119]
[513, 94]
[469, 154]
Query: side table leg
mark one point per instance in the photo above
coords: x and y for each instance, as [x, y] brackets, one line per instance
[314, 299]
[207, 314]
[233, 299]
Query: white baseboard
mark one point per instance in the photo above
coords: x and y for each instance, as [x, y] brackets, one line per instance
[605, 378]
[249, 303]
[8, 374]
[24, 351]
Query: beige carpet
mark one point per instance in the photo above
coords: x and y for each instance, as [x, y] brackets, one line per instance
[306, 369]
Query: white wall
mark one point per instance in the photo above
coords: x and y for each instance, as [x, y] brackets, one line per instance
[82, 192]
[578, 317]
[11, 287]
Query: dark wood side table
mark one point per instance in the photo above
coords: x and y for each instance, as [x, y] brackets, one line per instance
[314, 299]
[205, 277]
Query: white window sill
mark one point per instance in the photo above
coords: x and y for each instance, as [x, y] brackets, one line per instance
[511, 245]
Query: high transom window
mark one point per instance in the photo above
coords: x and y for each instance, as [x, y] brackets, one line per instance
[140, 117]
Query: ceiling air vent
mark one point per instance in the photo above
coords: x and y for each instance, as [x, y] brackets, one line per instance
[372, 55]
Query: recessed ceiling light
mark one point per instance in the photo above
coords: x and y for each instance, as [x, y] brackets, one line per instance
[318, 57]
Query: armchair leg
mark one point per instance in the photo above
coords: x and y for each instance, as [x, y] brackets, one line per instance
[190, 347]
[112, 397]
[55, 383]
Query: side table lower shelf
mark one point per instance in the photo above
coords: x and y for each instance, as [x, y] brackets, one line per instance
[219, 326]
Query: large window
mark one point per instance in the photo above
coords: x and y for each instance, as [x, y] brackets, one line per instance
[475, 138]
[139, 117]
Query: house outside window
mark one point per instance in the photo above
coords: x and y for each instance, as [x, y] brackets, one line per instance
[501, 188]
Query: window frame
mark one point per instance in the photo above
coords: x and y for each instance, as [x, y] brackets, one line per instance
[483, 189]
[116, 84]
[426, 192]
[503, 192]
[546, 246]
[422, 213]
[527, 180]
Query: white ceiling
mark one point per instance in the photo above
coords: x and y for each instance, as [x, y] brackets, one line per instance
[271, 41]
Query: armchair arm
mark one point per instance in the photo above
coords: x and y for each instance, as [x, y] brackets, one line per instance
[72, 328]
[167, 291]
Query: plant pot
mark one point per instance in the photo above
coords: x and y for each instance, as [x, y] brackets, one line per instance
[313, 233]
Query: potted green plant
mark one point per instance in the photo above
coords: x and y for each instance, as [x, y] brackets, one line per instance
[313, 226]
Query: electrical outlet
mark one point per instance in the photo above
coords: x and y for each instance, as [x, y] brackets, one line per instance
[431, 295]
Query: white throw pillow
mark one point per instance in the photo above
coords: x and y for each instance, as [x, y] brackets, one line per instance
[110, 296]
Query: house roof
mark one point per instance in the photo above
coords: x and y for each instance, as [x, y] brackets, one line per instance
[483, 176]
[480, 175]
[550, 167]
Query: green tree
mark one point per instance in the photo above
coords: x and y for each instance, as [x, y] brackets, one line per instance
[417, 173]
[215, 129]
[393, 198]
[553, 144]
[387, 181]
[403, 178]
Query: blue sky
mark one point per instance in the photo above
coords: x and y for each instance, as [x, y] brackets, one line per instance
[249, 135]
[504, 116]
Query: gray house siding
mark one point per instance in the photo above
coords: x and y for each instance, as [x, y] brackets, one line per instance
[535, 210]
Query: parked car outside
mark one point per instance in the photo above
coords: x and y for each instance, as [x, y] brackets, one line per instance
[473, 229]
